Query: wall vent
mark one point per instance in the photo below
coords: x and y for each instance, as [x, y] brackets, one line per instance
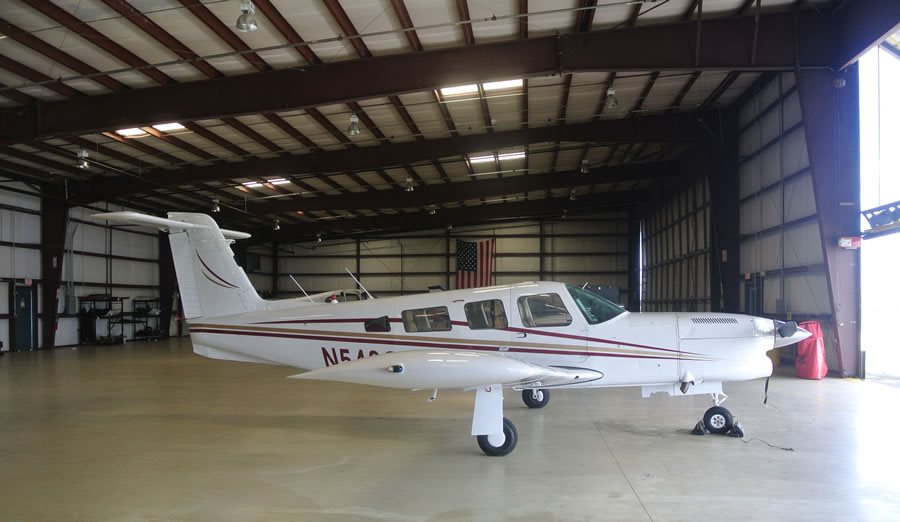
[714, 320]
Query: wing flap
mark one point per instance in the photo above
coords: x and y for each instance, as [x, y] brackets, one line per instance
[424, 369]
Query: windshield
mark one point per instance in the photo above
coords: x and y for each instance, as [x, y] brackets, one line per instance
[594, 308]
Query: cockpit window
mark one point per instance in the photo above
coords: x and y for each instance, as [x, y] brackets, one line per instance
[543, 310]
[594, 308]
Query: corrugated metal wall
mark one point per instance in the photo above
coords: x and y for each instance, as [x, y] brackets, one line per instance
[676, 252]
[781, 251]
[121, 261]
[577, 250]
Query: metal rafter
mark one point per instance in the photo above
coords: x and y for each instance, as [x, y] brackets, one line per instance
[788, 44]
[480, 214]
[469, 190]
[670, 128]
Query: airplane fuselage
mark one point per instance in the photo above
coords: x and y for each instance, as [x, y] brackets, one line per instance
[630, 349]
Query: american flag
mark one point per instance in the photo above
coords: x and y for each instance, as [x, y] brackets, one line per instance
[475, 263]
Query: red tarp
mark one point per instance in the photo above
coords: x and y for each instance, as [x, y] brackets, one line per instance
[811, 363]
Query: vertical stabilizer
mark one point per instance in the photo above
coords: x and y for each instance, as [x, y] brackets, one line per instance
[210, 281]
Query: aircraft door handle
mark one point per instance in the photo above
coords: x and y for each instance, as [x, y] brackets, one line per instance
[521, 335]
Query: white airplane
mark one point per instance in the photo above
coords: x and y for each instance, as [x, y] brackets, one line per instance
[529, 337]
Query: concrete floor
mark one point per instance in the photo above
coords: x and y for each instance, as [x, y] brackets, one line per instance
[149, 431]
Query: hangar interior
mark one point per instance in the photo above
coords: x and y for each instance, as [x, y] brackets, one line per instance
[680, 155]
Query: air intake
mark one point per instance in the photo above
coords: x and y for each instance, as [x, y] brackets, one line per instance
[714, 320]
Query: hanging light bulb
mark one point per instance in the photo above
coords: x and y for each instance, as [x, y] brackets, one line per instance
[246, 22]
[432, 211]
[216, 208]
[572, 195]
[318, 237]
[584, 169]
[409, 185]
[611, 101]
[82, 161]
[277, 225]
[353, 129]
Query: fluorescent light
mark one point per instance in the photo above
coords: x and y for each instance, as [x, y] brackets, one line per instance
[511, 156]
[481, 159]
[505, 84]
[131, 133]
[251, 184]
[278, 181]
[459, 89]
[169, 127]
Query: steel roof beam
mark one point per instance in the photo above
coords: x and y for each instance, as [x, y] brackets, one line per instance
[457, 216]
[661, 129]
[726, 45]
[468, 190]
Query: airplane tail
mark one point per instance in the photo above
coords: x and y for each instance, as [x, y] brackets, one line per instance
[210, 281]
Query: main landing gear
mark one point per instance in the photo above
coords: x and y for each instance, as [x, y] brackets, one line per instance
[500, 444]
[536, 398]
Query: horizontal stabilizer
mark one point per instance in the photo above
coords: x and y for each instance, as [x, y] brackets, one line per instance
[136, 218]
[427, 369]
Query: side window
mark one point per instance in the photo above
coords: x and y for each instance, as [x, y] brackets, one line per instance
[351, 296]
[543, 310]
[435, 319]
[379, 324]
[483, 315]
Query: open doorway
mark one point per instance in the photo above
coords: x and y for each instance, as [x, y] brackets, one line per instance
[879, 98]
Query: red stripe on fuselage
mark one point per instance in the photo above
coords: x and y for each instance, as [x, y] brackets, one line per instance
[509, 328]
[421, 344]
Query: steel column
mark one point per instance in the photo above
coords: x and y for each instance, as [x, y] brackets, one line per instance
[54, 219]
[831, 119]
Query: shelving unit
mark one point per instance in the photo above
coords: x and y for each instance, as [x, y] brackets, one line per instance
[143, 319]
[145, 312]
[92, 308]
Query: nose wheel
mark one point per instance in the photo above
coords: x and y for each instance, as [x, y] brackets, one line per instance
[718, 420]
[536, 398]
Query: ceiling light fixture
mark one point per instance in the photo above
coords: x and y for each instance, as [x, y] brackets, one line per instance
[278, 181]
[246, 23]
[82, 161]
[572, 195]
[216, 208]
[431, 211]
[318, 238]
[409, 185]
[252, 184]
[611, 101]
[511, 156]
[459, 89]
[584, 169]
[277, 225]
[505, 84]
[169, 127]
[132, 132]
[353, 129]
[481, 159]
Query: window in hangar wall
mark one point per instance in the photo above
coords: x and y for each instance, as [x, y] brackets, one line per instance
[879, 99]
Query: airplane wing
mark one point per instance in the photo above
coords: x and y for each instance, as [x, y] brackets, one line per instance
[427, 369]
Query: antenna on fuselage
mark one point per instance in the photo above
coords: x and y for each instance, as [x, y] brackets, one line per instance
[357, 282]
[301, 288]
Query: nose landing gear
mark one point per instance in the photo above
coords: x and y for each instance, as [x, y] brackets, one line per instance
[718, 420]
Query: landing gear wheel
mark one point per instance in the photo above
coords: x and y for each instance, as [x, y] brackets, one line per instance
[500, 445]
[536, 398]
[718, 420]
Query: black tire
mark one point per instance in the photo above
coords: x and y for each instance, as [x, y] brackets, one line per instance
[542, 400]
[718, 420]
[512, 438]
